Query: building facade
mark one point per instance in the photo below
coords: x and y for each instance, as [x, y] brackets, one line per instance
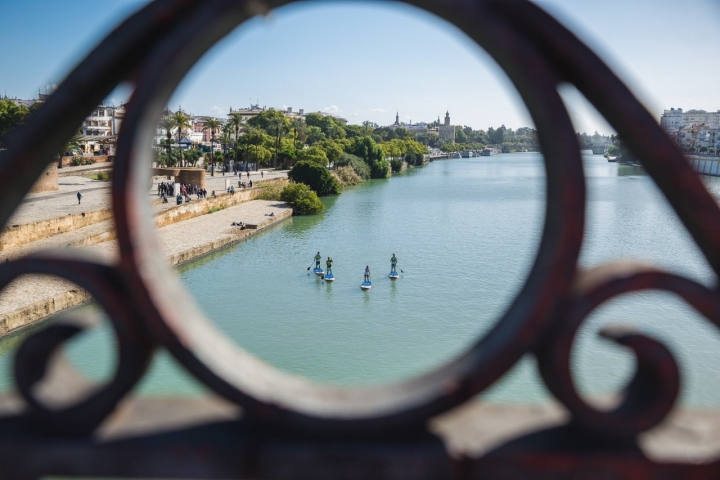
[695, 131]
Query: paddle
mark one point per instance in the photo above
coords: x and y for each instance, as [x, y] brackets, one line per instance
[308, 269]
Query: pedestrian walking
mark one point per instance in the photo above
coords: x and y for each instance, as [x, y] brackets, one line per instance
[79, 196]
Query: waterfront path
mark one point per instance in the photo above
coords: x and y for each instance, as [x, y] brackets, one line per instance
[33, 298]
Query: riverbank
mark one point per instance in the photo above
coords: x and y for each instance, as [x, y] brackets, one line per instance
[185, 232]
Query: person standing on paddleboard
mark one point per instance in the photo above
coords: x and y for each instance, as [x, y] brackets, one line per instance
[367, 273]
[317, 260]
[328, 264]
[393, 264]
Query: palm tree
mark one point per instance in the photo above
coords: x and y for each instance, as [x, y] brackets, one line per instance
[235, 122]
[213, 125]
[167, 124]
[225, 140]
[182, 123]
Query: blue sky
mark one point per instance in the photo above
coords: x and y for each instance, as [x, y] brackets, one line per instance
[367, 61]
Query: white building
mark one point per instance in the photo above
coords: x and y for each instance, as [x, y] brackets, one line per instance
[674, 119]
[101, 128]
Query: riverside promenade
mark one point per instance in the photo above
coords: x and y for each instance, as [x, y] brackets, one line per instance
[53, 220]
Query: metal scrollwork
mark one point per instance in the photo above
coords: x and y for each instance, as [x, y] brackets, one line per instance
[156, 47]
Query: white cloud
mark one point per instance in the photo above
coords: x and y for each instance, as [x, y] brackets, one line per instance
[332, 109]
[355, 114]
[382, 110]
[218, 110]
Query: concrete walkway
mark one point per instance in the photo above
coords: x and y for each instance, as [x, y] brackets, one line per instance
[33, 298]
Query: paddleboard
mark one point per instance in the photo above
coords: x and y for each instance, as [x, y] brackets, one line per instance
[318, 271]
[394, 275]
[366, 285]
[329, 277]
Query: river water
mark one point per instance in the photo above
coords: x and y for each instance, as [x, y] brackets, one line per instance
[465, 232]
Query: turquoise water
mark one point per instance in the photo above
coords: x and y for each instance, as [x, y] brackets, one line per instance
[465, 232]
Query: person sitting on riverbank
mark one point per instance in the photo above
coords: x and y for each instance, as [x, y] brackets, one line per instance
[238, 224]
[271, 214]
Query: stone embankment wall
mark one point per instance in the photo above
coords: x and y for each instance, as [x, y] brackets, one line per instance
[16, 235]
[195, 208]
[48, 181]
[41, 309]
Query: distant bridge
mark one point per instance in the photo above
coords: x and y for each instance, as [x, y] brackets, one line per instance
[598, 149]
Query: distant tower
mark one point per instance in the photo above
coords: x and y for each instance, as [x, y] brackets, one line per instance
[397, 118]
[447, 131]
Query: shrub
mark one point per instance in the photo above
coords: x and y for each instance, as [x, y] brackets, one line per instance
[303, 200]
[347, 176]
[270, 192]
[396, 164]
[76, 161]
[316, 177]
[88, 161]
[380, 169]
[361, 168]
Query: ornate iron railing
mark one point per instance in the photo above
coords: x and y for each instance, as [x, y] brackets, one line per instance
[294, 428]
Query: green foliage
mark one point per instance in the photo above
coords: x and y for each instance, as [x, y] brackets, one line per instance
[396, 165]
[303, 200]
[270, 191]
[347, 176]
[270, 121]
[215, 209]
[313, 154]
[416, 159]
[314, 134]
[12, 115]
[78, 160]
[380, 169]
[315, 176]
[367, 149]
[333, 149]
[101, 177]
[361, 168]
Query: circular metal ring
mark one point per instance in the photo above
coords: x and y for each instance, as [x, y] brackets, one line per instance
[651, 393]
[134, 344]
[270, 396]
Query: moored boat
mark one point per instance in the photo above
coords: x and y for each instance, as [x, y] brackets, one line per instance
[488, 152]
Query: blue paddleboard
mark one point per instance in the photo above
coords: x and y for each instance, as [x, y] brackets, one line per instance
[394, 275]
[318, 271]
[329, 277]
[366, 285]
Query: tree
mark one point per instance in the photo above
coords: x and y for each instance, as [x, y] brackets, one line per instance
[332, 149]
[213, 125]
[367, 149]
[315, 176]
[314, 134]
[168, 124]
[269, 121]
[315, 155]
[183, 123]
[235, 123]
[12, 115]
[303, 200]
